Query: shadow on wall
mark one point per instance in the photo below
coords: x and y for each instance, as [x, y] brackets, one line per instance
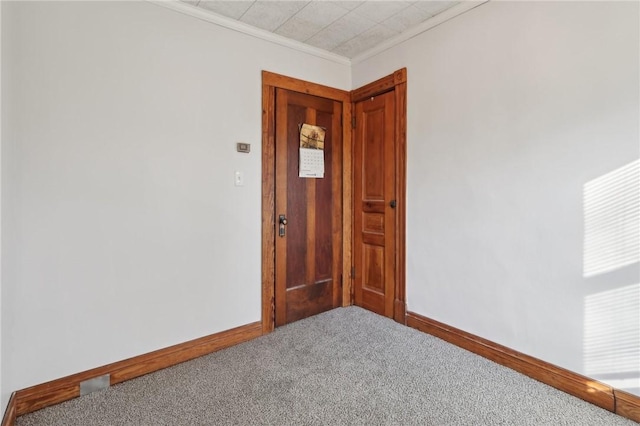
[611, 242]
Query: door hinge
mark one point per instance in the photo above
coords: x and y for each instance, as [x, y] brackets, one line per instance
[353, 272]
[353, 122]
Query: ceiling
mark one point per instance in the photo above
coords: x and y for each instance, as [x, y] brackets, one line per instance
[346, 28]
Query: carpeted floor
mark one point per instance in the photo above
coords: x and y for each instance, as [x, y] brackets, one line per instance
[346, 366]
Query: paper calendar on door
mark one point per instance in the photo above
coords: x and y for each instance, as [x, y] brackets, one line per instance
[311, 151]
[311, 163]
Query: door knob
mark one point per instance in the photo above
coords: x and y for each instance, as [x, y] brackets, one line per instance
[282, 220]
[392, 203]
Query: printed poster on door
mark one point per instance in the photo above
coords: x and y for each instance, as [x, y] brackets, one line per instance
[311, 151]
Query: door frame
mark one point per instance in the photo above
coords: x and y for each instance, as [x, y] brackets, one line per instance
[396, 82]
[271, 81]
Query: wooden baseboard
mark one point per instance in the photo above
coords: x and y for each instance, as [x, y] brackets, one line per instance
[590, 390]
[9, 418]
[627, 405]
[54, 392]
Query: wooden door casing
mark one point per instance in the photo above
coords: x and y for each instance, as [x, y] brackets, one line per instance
[396, 82]
[270, 83]
[396, 86]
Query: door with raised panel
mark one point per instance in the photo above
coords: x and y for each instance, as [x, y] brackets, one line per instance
[375, 204]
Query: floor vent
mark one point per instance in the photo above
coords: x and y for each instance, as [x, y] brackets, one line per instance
[95, 384]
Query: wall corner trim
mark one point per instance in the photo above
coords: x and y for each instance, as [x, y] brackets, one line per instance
[56, 391]
[590, 390]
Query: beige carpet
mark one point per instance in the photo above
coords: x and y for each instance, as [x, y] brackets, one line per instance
[347, 366]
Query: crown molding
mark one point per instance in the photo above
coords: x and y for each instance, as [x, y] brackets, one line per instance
[234, 25]
[440, 18]
[241, 27]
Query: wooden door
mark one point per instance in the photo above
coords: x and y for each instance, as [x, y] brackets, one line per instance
[308, 253]
[375, 204]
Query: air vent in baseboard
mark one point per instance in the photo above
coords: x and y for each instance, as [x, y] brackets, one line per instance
[95, 384]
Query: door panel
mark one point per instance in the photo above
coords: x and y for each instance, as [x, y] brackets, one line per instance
[309, 255]
[374, 215]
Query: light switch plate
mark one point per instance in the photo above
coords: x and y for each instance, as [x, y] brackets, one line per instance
[239, 179]
[243, 147]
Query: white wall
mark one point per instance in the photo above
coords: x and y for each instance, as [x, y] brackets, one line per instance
[2, 403]
[123, 231]
[512, 108]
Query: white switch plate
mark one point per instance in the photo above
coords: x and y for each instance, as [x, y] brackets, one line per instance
[239, 179]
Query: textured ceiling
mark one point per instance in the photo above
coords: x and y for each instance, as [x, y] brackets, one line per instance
[347, 28]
